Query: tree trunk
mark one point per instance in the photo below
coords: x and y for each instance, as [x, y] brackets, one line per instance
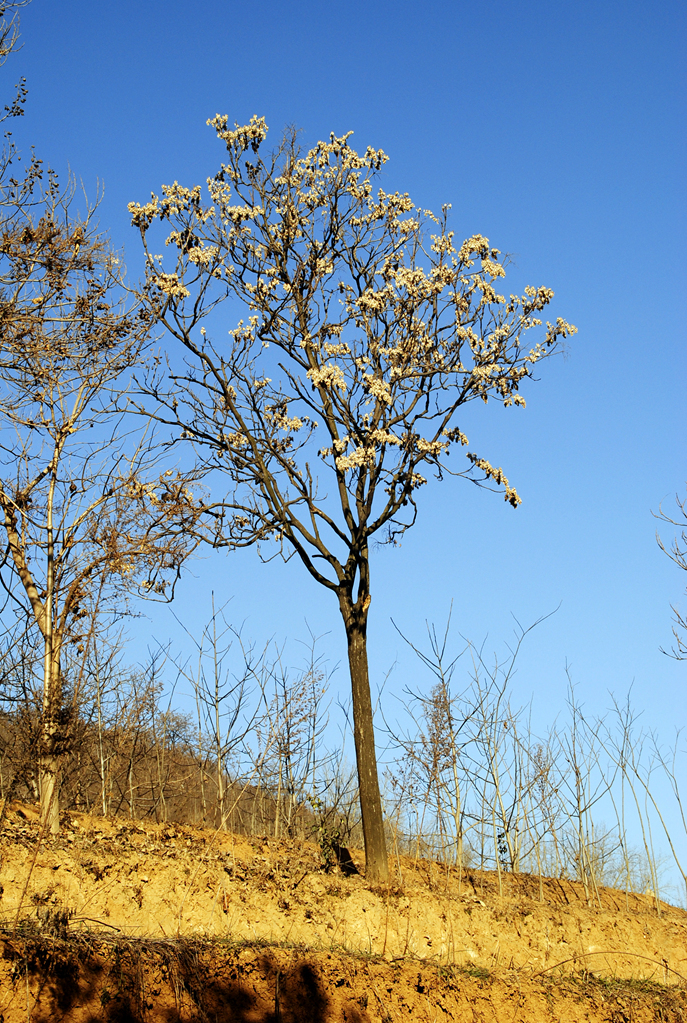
[49, 757]
[49, 753]
[49, 785]
[376, 861]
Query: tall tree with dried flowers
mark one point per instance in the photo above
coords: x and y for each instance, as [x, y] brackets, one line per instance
[84, 514]
[367, 330]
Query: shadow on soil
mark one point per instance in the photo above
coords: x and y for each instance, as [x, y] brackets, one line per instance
[132, 982]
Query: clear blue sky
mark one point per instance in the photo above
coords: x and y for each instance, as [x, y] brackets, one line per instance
[557, 130]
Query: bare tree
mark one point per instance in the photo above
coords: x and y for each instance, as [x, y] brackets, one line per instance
[221, 698]
[677, 552]
[288, 735]
[432, 762]
[364, 339]
[9, 42]
[84, 517]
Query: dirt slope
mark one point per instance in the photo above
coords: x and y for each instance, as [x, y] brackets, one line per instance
[120, 920]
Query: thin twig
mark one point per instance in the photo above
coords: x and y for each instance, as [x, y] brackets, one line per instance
[610, 952]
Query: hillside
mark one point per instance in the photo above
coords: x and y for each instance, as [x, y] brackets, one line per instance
[124, 920]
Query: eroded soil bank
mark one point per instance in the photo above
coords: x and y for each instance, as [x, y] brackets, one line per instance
[121, 920]
[81, 981]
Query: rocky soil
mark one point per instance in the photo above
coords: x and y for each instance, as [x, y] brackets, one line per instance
[124, 920]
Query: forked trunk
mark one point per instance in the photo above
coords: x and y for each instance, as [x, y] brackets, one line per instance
[376, 861]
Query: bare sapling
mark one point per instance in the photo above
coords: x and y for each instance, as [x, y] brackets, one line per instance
[222, 698]
[288, 735]
[497, 763]
[466, 771]
[627, 746]
[542, 813]
[103, 669]
[433, 761]
[584, 784]
[336, 808]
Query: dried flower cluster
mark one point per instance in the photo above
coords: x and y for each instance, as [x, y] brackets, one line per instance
[386, 333]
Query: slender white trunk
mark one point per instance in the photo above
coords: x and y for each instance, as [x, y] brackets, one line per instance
[49, 757]
[103, 784]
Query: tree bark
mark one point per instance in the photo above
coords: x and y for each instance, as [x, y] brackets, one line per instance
[376, 860]
[49, 757]
[49, 786]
